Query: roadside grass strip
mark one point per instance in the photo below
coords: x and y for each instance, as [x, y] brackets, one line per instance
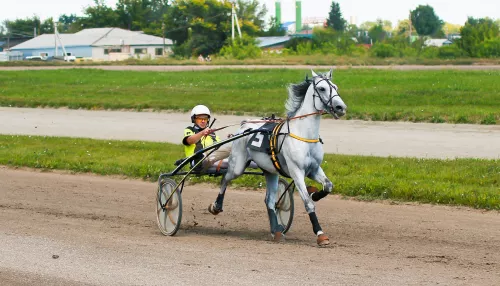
[437, 96]
[467, 182]
[271, 59]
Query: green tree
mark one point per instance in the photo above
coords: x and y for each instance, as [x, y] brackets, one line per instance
[475, 32]
[23, 27]
[449, 28]
[274, 29]
[403, 27]
[425, 21]
[335, 19]
[67, 23]
[47, 27]
[240, 49]
[198, 27]
[251, 16]
[98, 16]
[377, 32]
[144, 15]
[365, 26]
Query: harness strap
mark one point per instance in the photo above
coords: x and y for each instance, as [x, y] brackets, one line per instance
[274, 151]
[304, 139]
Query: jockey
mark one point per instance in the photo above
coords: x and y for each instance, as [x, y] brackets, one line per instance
[200, 136]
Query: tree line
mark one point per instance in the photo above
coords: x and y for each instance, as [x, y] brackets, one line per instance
[204, 27]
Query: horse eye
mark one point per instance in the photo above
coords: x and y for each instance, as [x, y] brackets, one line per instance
[322, 89]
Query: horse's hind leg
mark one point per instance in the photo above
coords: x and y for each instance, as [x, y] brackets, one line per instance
[320, 177]
[237, 164]
[271, 199]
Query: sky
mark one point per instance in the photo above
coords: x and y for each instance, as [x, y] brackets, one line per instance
[451, 11]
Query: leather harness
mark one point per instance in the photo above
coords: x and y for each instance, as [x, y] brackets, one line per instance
[273, 144]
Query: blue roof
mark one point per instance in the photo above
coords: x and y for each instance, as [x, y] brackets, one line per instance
[286, 24]
[271, 41]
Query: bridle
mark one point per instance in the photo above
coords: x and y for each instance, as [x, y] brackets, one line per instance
[317, 94]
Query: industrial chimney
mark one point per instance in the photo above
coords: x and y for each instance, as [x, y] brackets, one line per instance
[298, 16]
[278, 11]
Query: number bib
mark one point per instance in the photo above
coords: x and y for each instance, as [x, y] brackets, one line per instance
[260, 141]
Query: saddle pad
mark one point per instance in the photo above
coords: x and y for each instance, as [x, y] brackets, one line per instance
[260, 141]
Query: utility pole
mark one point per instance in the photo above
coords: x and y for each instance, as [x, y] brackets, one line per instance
[55, 39]
[232, 21]
[410, 27]
[34, 32]
[8, 38]
[234, 18]
[163, 34]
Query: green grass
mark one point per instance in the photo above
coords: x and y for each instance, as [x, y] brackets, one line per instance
[381, 95]
[467, 182]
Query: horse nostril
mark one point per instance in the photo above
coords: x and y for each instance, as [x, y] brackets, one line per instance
[339, 108]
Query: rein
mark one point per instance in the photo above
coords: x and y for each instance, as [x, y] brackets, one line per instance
[318, 112]
[271, 120]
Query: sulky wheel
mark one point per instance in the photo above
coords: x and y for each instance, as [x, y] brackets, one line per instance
[285, 206]
[168, 207]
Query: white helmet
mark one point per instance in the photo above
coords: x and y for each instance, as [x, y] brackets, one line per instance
[199, 109]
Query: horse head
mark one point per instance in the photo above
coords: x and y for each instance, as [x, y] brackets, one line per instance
[326, 95]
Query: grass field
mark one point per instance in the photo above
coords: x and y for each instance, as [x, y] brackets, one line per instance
[418, 96]
[468, 182]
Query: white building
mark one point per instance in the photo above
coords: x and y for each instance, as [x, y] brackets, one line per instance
[437, 42]
[98, 44]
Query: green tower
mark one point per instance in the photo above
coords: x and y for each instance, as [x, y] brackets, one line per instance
[278, 12]
[298, 16]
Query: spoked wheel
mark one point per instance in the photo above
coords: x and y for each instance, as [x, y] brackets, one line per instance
[285, 206]
[168, 207]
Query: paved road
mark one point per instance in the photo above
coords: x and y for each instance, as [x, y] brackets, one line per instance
[302, 67]
[340, 136]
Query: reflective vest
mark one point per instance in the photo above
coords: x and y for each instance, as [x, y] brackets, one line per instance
[204, 142]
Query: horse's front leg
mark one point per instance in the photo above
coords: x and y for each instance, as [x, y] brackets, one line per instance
[320, 177]
[298, 177]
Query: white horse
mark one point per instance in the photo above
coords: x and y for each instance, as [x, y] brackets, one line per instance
[299, 152]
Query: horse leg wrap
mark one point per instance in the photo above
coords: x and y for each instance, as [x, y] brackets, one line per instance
[219, 201]
[318, 195]
[315, 223]
[273, 221]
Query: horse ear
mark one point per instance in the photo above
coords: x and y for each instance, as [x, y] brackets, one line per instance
[330, 74]
[314, 74]
[307, 78]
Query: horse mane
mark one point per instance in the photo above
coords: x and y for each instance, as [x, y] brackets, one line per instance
[296, 95]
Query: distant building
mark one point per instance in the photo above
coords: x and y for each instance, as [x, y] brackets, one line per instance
[6, 44]
[288, 27]
[272, 43]
[437, 42]
[97, 44]
[454, 37]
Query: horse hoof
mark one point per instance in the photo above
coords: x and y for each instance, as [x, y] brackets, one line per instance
[278, 236]
[213, 210]
[323, 240]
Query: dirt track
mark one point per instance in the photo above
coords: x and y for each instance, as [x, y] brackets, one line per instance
[59, 229]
